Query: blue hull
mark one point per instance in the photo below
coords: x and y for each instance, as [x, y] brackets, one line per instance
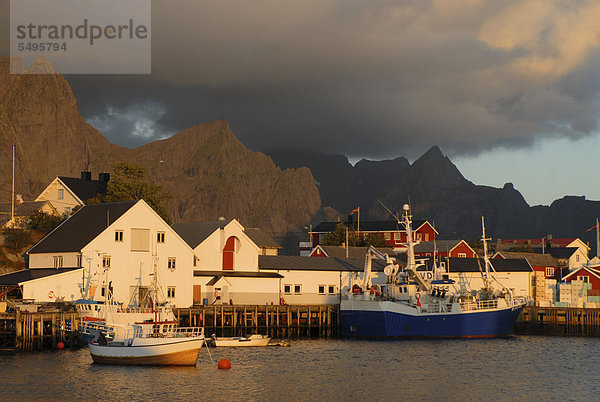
[386, 324]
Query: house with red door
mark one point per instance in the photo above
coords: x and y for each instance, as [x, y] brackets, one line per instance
[226, 270]
[393, 233]
[444, 248]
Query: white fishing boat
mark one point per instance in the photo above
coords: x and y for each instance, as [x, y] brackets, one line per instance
[150, 343]
[242, 341]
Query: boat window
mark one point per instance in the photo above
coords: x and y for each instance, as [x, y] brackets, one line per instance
[331, 289]
[321, 289]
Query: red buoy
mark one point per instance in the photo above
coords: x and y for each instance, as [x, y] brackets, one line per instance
[224, 364]
[60, 345]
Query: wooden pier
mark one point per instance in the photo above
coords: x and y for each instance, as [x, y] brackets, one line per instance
[285, 321]
[28, 331]
[558, 321]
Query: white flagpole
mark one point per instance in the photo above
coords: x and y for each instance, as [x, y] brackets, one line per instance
[597, 239]
[358, 223]
[12, 200]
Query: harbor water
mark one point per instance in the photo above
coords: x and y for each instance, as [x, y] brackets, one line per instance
[516, 368]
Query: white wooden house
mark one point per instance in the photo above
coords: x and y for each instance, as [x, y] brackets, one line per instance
[66, 193]
[227, 269]
[114, 245]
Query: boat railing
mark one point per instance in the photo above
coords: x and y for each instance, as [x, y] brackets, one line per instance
[166, 331]
[479, 305]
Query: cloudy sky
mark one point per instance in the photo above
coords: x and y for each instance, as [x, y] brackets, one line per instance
[509, 90]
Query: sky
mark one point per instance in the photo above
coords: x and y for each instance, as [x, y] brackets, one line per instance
[509, 90]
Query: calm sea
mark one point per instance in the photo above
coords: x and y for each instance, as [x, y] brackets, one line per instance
[518, 368]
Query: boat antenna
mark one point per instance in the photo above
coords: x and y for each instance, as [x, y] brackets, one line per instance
[390, 211]
[486, 258]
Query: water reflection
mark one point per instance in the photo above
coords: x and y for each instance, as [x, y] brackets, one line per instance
[529, 368]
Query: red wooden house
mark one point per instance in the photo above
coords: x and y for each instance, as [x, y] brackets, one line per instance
[393, 233]
[444, 248]
[588, 274]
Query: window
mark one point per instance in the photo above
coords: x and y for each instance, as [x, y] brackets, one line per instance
[585, 278]
[68, 210]
[171, 263]
[297, 289]
[331, 289]
[577, 257]
[195, 261]
[106, 262]
[58, 261]
[78, 263]
[119, 235]
[61, 193]
[418, 236]
[549, 271]
[388, 236]
[426, 236]
[321, 289]
[287, 289]
[103, 291]
[171, 292]
[462, 255]
[160, 237]
[140, 239]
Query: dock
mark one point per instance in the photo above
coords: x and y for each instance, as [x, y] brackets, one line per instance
[558, 321]
[276, 321]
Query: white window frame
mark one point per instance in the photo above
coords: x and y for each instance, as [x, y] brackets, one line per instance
[106, 261]
[426, 236]
[330, 291]
[171, 292]
[550, 271]
[119, 236]
[584, 278]
[387, 236]
[78, 262]
[60, 194]
[322, 289]
[462, 255]
[58, 261]
[287, 289]
[160, 237]
[299, 289]
[171, 263]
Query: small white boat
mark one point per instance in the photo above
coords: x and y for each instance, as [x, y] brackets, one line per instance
[163, 344]
[237, 341]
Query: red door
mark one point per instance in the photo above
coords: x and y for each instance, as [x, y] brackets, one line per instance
[228, 252]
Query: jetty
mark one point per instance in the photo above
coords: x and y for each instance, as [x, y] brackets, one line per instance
[276, 321]
[558, 321]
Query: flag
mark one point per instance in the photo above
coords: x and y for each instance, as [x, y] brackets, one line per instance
[592, 228]
[354, 210]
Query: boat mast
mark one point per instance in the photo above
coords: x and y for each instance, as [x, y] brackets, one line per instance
[486, 259]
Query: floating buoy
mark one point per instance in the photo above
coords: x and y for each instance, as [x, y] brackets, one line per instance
[60, 345]
[224, 364]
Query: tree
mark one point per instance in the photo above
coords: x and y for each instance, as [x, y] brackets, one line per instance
[16, 239]
[42, 222]
[374, 239]
[338, 236]
[129, 183]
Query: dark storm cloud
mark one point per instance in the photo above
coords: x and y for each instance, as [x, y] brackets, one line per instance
[365, 78]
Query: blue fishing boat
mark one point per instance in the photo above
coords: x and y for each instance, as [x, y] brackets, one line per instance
[411, 306]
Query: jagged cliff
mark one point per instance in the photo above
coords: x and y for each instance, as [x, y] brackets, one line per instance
[206, 169]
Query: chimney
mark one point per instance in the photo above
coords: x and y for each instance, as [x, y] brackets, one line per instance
[85, 175]
[103, 177]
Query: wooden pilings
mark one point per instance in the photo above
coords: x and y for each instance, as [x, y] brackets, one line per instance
[559, 321]
[35, 331]
[277, 321]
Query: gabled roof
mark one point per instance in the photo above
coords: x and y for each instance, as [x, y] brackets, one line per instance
[371, 226]
[353, 252]
[593, 271]
[25, 208]
[440, 245]
[84, 189]
[14, 278]
[535, 259]
[470, 265]
[299, 263]
[556, 242]
[81, 228]
[261, 238]
[194, 233]
[562, 252]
